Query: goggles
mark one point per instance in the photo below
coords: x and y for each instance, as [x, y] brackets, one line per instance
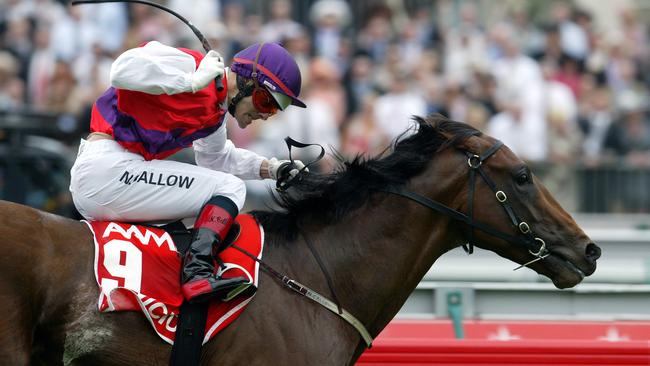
[263, 101]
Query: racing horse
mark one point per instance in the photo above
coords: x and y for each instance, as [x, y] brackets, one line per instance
[378, 224]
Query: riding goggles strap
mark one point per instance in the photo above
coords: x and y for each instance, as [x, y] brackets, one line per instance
[312, 295]
[245, 90]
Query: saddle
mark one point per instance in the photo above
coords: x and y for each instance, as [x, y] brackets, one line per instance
[137, 268]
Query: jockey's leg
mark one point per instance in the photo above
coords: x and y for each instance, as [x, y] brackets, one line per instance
[110, 183]
[200, 282]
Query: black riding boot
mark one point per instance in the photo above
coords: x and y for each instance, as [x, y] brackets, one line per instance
[200, 283]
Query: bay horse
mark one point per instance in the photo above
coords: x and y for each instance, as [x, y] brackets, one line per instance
[375, 241]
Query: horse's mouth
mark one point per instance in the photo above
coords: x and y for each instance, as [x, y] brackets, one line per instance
[574, 268]
[566, 272]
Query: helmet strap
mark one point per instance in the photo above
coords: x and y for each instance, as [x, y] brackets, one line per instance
[245, 89]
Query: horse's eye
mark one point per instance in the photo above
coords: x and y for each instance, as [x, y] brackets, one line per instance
[522, 179]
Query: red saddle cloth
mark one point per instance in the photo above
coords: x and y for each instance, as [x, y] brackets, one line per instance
[138, 269]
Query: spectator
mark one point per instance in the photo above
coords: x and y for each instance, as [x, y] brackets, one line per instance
[40, 69]
[330, 19]
[202, 13]
[377, 34]
[530, 37]
[281, 24]
[361, 136]
[18, 42]
[63, 95]
[636, 37]
[620, 71]
[477, 116]
[560, 98]
[463, 55]
[524, 132]
[629, 137]
[299, 45]
[595, 120]
[11, 86]
[564, 138]
[573, 38]
[394, 110]
[105, 25]
[66, 38]
[233, 21]
[456, 102]
[325, 85]
[517, 73]
[359, 83]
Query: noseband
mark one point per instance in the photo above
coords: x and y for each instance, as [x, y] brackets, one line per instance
[535, 245]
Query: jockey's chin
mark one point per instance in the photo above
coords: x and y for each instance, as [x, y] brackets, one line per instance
[245, 120]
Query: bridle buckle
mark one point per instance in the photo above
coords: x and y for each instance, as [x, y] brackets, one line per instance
[501, 196]
[474, 161]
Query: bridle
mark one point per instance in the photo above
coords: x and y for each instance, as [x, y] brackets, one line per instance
[535, 245]
[474, 162]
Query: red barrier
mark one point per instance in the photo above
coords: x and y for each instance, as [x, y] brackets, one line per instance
[408, 342]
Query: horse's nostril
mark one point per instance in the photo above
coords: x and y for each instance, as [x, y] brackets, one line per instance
[592, 252]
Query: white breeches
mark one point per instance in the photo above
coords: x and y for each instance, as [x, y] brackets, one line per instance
[110, 183]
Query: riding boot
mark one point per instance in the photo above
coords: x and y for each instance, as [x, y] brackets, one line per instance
[200, 282]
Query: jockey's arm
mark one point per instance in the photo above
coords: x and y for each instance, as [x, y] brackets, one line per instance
[156, 69]
[217, 152]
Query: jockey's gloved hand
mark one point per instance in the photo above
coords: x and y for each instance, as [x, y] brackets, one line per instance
[285, 169]
[210, 68]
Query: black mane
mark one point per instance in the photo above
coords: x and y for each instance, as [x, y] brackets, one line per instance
[326, 198]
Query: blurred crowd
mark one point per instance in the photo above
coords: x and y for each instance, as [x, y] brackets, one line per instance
[549, 81]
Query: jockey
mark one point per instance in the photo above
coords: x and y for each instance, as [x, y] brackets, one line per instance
[163, 99]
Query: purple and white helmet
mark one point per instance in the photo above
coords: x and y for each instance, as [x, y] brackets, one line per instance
[276, 69]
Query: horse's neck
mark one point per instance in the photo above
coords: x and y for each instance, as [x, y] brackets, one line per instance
[378, 255]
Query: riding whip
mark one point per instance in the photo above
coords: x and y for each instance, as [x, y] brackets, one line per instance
[204, 41]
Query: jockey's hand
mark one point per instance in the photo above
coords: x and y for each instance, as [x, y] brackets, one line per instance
[284, 170]
[210, 68]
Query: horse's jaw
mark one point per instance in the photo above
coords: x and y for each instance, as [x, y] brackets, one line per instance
[563, 265]
[563, 272]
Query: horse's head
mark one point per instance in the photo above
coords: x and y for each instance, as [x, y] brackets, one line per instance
[456, 171]
[529, 224]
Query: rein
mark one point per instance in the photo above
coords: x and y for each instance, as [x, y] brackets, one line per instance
[475, 161]
[305, 291]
